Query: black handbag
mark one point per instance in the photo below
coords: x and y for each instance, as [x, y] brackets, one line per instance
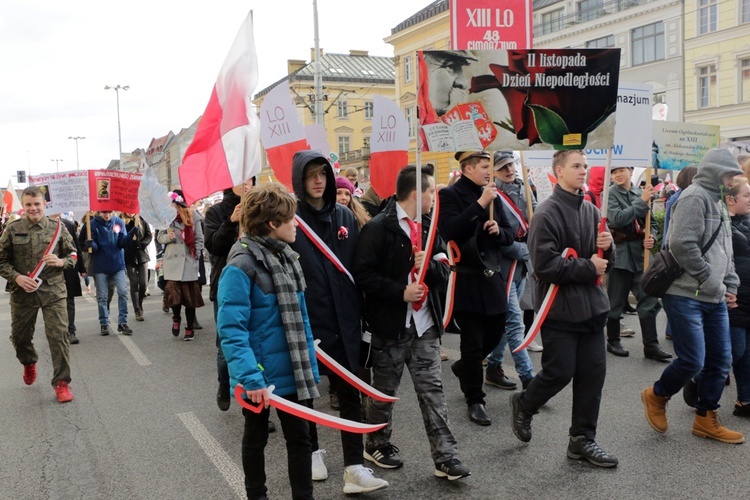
[664, 269]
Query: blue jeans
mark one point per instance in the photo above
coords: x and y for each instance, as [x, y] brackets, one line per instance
[514, 330]
[121, 284]
[700, 334]
[741, 362]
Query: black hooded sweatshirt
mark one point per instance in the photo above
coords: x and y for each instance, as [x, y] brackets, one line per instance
[220, 235]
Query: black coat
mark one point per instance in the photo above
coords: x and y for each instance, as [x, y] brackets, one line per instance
[740, 316]
[382, 263]
[334, 303]
[460, 219]
[72, 279]
[137, 252]
[219, 236]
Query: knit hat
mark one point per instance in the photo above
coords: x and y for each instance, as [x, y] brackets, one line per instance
[178, 197]
[344, 183]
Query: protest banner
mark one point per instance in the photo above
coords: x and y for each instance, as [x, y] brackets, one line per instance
[281, 132]
[389, 145]
[64, 191]
[678, 145]
[114, 190]
[632, 146]
[484, 25]
[540, 98]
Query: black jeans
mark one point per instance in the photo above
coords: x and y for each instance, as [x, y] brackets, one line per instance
[349, 408]
[71, 306]
[299, 454]
[479, 336]
[189, 314]
[222, 370]
[572, 355]
[137, 276]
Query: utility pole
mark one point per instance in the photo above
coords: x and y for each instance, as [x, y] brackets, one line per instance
[318, 71]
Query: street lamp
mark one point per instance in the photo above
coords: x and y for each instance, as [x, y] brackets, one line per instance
[77, 138]
[117, 89]
[57, 165]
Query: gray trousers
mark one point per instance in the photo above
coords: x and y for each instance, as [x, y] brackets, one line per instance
[421, 355]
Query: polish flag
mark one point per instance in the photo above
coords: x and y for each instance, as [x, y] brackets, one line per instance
[11, 203]
[389, 145]
[225, 151]
[281, 132]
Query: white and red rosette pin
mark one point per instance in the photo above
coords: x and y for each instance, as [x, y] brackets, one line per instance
[343, 233]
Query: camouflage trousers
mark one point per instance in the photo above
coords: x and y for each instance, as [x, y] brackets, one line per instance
[51, 299]
[421, 355]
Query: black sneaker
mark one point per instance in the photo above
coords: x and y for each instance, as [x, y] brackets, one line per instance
[520, 419]
[197, 326]
[223, 400]
[581, 448]
[124, 329]
[104, 330]
[73, 339]
[452, 469]
[496, 376]
[189, 335]
[741, 410]
[385, 457]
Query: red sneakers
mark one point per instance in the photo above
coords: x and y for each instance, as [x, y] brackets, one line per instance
[63, 392]
[29, 373]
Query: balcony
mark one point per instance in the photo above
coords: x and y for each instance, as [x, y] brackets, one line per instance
[357, 155]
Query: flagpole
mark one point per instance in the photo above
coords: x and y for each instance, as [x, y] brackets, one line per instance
[418, 160]
[527, 189]
[605, 203]
[647, 229]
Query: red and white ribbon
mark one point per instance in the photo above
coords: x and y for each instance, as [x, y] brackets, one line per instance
[568, 253]
[324, 249]
[349, 377]
[306, 413]
[508, 203]
[50, 248]
[431, 234]
[454, 257]
[512, 272]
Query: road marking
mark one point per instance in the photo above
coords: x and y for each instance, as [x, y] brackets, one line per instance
[232, 474]
[140, 358]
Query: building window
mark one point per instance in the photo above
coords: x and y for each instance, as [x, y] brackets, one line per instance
[648, 43]
[343, 144]
[601, 43]
[660, 98]
[408, 70]
[707, 86]
[369, 110]
[707, 13]
[588, 10]
[552, 21]
[745, 11]
[745, 80]
[411, 121]
[342, 110]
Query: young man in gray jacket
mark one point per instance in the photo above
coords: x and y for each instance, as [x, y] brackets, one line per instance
[697, 301]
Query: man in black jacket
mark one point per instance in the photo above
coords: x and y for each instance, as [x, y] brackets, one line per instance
[573, 332]
[333, 301]
[405, 319]
[136, 260]
[480, 300]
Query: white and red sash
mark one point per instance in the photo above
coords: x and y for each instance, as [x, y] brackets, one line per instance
[517, 213]
[50, 248]
[324, 249]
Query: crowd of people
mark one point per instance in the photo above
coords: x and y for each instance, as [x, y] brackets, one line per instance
[371, 279]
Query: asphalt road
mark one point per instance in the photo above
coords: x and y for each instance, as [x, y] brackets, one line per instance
[144, 425]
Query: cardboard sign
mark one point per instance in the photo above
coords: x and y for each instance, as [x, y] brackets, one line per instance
[389, 145]
[491, 25]
[545, 98]
[114, 190]
[64, 191]
[678, 145]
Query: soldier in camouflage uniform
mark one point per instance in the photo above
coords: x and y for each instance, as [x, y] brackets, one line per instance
[22, 247]
[405, 319]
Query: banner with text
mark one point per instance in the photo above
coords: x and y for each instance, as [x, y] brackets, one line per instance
[678, 145]
[114, 190]
[483, 25]
[633, 140]
[521, 99]
[389, 145]
[64, 191]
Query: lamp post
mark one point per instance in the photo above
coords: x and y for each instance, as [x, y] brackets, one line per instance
[117, 89]
[57, 164]
[77, 138]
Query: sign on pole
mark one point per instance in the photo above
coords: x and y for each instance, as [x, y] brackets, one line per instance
[389, 145]
[114, 190]
[491, 25]
[64, 191]
[678, 145]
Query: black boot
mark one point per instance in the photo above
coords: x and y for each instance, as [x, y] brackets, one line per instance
[613, 338]
[651, 348]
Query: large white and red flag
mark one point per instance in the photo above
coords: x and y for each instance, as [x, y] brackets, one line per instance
[281, 132]
[225, 151]
[389, 145]
[11, 203]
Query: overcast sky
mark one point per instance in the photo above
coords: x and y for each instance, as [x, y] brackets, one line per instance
[56, 57]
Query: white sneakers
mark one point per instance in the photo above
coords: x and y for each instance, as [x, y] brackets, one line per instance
[535, 347]
[359, 479]
[319, 471]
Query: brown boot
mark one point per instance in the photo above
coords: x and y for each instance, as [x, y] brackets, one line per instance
[708, 425]
[656, 409]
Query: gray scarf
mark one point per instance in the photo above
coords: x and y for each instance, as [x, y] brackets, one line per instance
[286, 272]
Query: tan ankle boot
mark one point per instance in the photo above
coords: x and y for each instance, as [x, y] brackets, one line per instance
[708, 425]
[656, 409]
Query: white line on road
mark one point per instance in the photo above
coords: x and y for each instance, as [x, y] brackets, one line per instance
[137, 353]
[232, 474]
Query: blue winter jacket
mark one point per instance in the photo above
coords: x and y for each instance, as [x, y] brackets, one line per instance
[108, 244]
[252, 335]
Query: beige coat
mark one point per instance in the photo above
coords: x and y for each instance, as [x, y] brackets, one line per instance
[179, 265]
